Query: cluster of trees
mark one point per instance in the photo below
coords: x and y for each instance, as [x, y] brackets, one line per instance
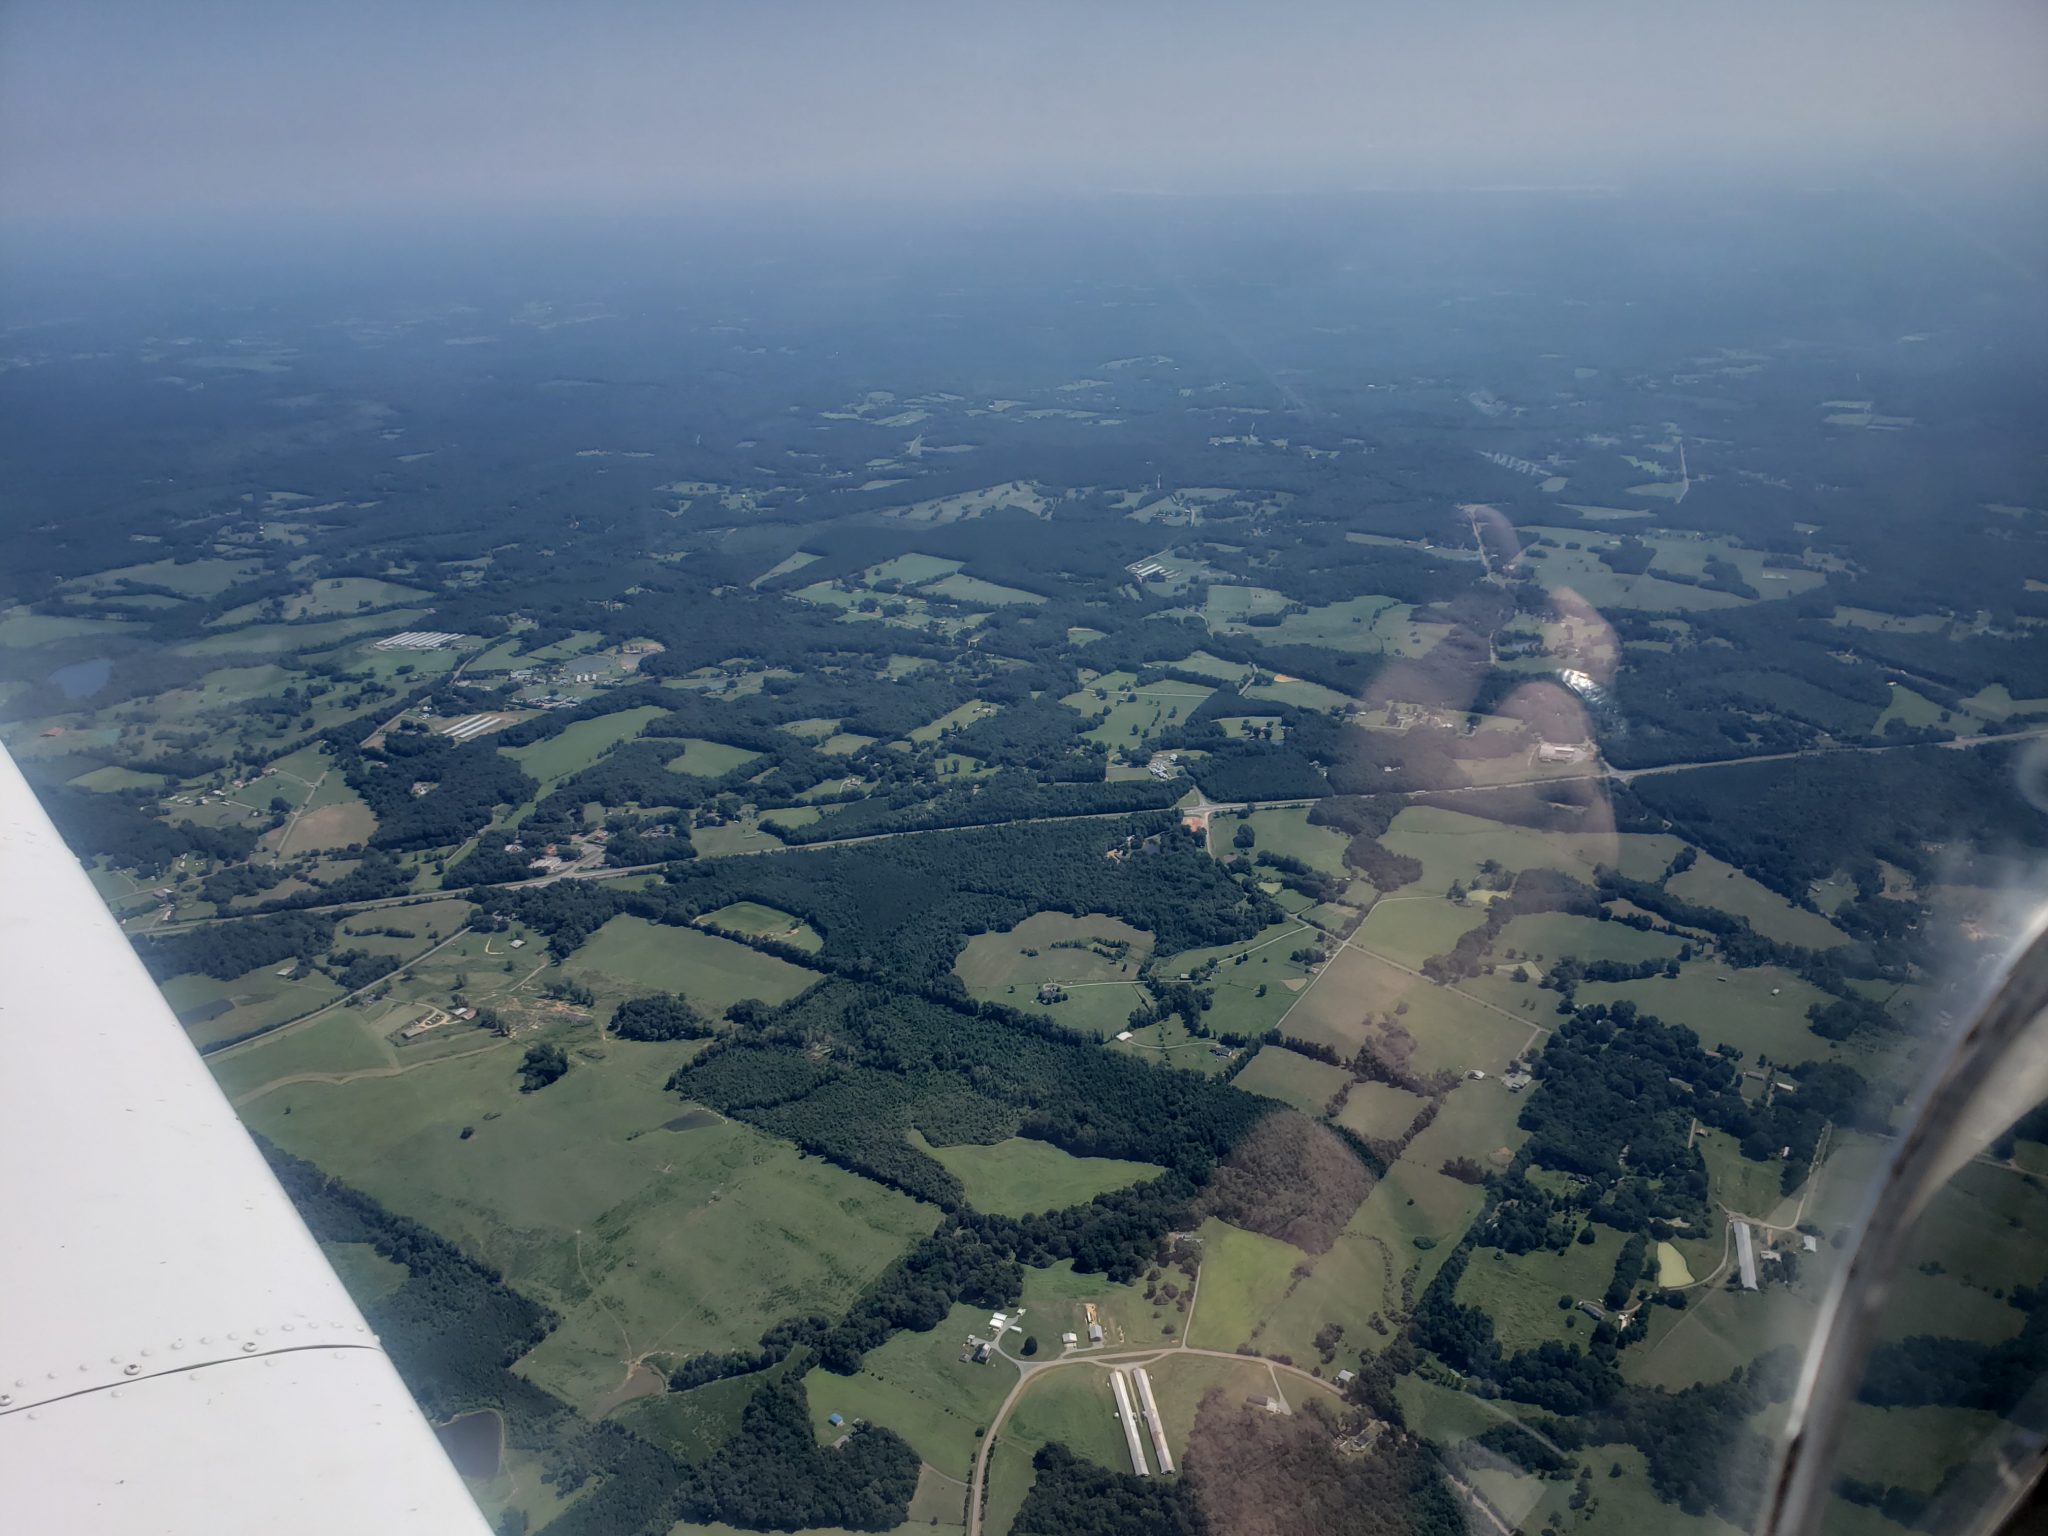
[979, 1074]
[544, 1063]
[774, 1476]
[664, 1016]
[1535, 890]
[900, 911]
[227, 950]
[469, 782]
[1073, 1497]
[119, 828]
[1926, 1370]
[789, 1334]
[1792, 823]
[1299, 876]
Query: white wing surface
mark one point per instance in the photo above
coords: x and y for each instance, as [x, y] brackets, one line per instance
[176, 1355]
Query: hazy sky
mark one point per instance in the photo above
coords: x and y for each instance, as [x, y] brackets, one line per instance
[214, 107]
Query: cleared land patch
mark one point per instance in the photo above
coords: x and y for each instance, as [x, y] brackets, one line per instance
[708, 759]
[1714, 884]
[1292, 1078]
[580, 744]
[757, 921]
[1079, 971]
[1021, 1176]
[630, 955]
[682, 1242]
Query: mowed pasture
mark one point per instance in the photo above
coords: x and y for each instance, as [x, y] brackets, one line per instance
[1292, 1078]
[193, 578]
[1286, 832]
[1760, 1010]
[1476, 1120]
[1098, 992]
[1244, 1276]
[254, 1001]
[1412, 929]
[581, 744]
[708, 759]
[917, 1385]
[334, 816]
[1073, 1407]
[1714, 884]
[278, 639]
[647, 1241]
[1520, 1291]
[1547, 937]
[973, 592]
[1379, 1110]
[1250, 996]
[1410, 1223]
[326, 599]
[756, 921]
[1449, 1031]
[1020, 1176]
[630, 956]
[1451, 845]
[1133, 721]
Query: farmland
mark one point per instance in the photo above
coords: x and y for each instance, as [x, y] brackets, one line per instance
[852, 672]
[1018, 1176]
[630, 955]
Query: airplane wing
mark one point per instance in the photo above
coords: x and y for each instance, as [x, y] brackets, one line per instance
[176, 1354]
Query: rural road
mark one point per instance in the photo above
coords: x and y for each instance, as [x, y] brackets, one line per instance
[1203, 807]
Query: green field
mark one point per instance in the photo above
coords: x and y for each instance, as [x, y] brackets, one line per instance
[1098, 992]
[1292, 1078]
[1202, 664]
[1286, 832]
[1712, 883]
[759, 922]
[336, 1043]
[1244, 1275]
[1361, 1276]
[1301, 695]
[1451, 846]
[111, 778]
[1519, 1291]
[1374, 624]
[1020, 1176]
[645, 1240]
[1445, 1030]
[629, 956]
[277, 639]
[194, 578]
[1180, 1382]
[327, 599]
[974, 592]
[1072, 1406]
[579, 745]
[708, 759]
[952, 720]
[1761, 1010]
[1148, 711]
[917, 1385]
[1379, 1110]
[1239, 1004]
[909, 569]
[258, 999]
[1411, 929]
[1549, 936]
